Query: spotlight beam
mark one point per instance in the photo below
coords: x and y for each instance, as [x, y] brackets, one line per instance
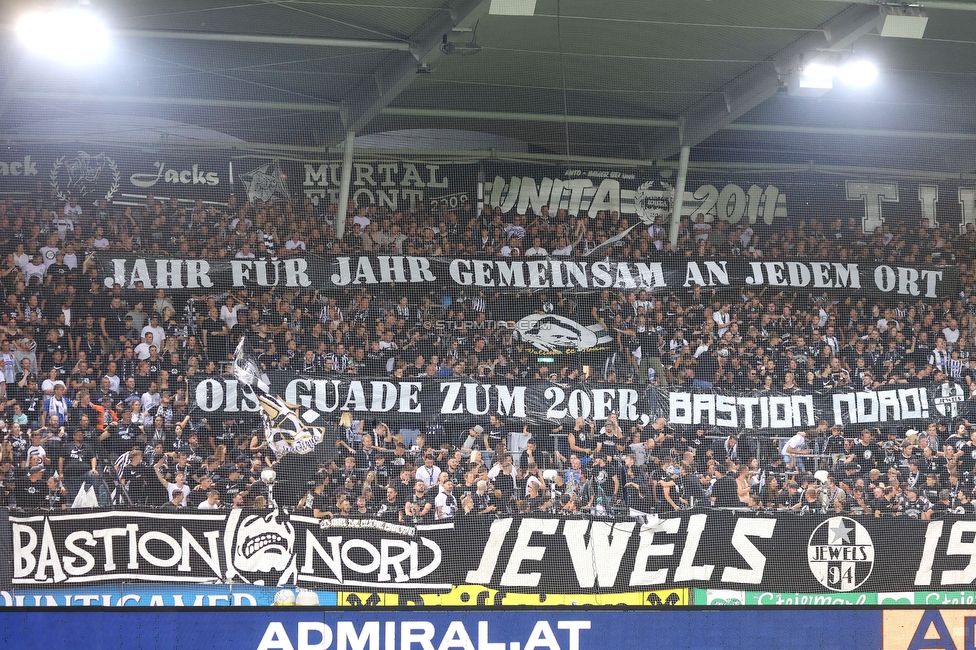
[74, 37]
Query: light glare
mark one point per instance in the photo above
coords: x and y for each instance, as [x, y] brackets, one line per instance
[75, 36]
[858, 73]
[817, 75]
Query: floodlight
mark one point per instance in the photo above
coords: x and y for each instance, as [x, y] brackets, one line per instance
[858, 73]
[73, 36]
[817, 75]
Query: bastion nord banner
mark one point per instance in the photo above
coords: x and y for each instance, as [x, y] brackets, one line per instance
[534, 555]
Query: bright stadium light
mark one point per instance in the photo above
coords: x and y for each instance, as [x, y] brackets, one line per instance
[817, 75]
[73, 36]
[858, 73]
[821, 74]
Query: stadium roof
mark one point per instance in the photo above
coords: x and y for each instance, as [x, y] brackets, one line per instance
[629, 80]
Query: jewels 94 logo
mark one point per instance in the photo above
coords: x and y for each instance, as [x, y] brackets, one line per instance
[85, 175]
[841, 554]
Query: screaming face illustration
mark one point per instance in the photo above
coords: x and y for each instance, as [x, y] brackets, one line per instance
[265, 543]
[554, 332]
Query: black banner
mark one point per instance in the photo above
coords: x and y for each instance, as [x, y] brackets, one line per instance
[638, 195]
[770, 198]
[777, 553]
[426, 400]
[500, 275]
[466, 402]
[395, 185]
[124, 175]
[803, 409]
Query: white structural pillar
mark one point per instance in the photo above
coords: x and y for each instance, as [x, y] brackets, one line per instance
[679, 196]
[344, 184]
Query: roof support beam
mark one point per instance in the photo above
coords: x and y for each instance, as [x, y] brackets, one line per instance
[152, 100]
[365, 101]
[528, 117]
[924, 4]
[758, 84]
[496, 116]
[265, 39]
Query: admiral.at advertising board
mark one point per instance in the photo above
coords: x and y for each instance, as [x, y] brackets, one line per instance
[297, 629]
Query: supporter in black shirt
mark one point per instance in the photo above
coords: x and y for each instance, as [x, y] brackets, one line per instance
[31, 401]
[56, 497]
[389, 508]
[77, 460]
[931, 489]
[120, 437]
[113, 323]
[867, 451]
[936, 465]
[955, 443]
[859, 503]
[7, 481]
[833, 446]
[964, 504]
[420, 507]
[724, 492]
[232, 485]
[377, 360]
[884, 502]
[136, 476]
[32, 489]
[890, 457]
[199, 493]
[691, 487]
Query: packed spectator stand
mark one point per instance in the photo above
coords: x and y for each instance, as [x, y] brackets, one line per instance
[96, 379]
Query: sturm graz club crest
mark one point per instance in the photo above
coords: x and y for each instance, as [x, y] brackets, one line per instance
[840, 554]
[947, 397]
[652, 200]
[85, 176]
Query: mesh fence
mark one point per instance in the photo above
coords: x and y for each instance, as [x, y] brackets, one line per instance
[519, 369]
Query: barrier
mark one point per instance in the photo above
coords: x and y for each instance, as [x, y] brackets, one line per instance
[290, 629]
[514, 560]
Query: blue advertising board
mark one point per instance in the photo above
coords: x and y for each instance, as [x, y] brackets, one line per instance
[299, 629]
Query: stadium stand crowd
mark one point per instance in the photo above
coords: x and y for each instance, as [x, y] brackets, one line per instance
[95, 378]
